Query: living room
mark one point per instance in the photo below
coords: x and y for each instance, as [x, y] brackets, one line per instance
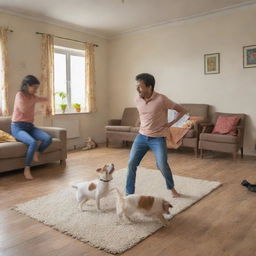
[87, 57]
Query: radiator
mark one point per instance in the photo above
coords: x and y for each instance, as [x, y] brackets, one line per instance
[72, 125]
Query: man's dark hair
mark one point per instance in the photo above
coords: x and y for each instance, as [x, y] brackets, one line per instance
[147, 79]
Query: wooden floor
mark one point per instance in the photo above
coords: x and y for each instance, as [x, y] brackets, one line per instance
[222, 224]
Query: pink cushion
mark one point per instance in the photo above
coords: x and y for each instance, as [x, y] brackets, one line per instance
[226, 125]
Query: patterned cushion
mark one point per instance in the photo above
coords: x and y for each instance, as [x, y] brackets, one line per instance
[6, 137]
[226, 125]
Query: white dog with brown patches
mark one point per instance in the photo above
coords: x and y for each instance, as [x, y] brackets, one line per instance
[95, 189]
[150, 206]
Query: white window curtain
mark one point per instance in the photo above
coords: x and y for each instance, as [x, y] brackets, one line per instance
[90, 77]
[4, 107]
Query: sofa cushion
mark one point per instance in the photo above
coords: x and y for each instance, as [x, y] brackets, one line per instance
[18, 149]
[135, 129]
[190, 133]
[130, 117]
[118, 128]
[56, 145]
[219, 138]
[226, 125]
[197, 109]
[5, 124]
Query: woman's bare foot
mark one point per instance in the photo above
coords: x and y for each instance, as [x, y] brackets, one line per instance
[27, 173]
[36, 157]
[175, 193]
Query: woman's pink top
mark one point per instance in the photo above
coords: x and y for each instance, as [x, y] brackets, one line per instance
[24, 107]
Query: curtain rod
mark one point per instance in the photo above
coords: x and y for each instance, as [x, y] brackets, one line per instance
[95, 45]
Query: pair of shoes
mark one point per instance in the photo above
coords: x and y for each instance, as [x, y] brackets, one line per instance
[249, 186]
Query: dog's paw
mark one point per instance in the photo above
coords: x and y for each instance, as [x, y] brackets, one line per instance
[127, 222]
[168, 216]
[119, 223]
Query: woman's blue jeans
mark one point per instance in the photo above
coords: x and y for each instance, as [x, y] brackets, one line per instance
[29, 134]
[140, 147]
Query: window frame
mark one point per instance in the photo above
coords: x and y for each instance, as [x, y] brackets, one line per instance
[68, 52]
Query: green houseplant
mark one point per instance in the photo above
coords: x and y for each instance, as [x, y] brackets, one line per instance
[77, 107]
[62, 96]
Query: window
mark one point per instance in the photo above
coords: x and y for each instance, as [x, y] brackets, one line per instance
[69, 79]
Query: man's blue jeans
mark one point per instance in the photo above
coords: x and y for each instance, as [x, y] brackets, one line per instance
[140, 147]
[29, 134]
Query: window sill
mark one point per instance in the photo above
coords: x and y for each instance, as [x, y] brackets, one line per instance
[70, 113]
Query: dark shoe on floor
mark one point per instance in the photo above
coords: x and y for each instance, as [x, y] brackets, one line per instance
[252, 188]
[249, 186]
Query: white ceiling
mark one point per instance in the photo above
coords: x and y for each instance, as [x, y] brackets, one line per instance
[109, 18]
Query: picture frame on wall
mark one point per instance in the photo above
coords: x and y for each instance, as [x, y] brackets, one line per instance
[212, 63]
[249, 56]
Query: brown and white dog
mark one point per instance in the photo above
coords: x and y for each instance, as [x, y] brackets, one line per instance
[149, 206]
[95, 189]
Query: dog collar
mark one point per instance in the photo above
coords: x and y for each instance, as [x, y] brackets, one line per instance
[105, 180]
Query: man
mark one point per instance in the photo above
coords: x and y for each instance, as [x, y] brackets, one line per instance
[153, 108]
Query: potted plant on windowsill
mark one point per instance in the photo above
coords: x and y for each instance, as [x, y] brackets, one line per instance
[77, 107]
[63, 105]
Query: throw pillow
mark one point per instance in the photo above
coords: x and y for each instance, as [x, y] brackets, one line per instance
[6, 137]
[226, 125]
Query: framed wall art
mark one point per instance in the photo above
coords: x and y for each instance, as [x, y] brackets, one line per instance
[212, 63]
[249, 55]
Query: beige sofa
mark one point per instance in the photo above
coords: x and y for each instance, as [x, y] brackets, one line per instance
[12, 154]
[192, 137]
[222, 143]
[124, 129]
[127, 128]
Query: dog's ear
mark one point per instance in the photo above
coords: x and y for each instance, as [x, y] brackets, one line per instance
[112, 170]
[99, 170]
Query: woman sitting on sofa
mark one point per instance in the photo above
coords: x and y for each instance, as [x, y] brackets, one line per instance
[22, 126]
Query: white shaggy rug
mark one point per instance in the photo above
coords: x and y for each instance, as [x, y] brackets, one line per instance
[102, 229]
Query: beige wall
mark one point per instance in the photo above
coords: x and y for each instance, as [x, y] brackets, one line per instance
[24, 58]
[174, 54]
